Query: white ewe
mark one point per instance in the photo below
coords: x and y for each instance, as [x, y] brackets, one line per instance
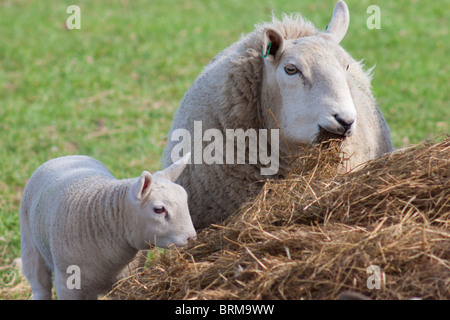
[287, 75]
[75, 215]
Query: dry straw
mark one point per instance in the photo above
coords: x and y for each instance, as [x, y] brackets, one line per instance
[314, 234]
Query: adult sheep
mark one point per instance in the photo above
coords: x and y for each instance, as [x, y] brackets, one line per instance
[287, 75]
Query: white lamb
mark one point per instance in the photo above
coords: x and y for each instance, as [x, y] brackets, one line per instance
[75, 215]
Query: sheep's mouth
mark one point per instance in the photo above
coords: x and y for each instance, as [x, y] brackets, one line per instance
[327, 138]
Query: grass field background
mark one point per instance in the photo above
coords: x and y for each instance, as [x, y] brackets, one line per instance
[110, 89]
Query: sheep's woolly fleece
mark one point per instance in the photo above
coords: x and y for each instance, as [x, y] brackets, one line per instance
[228, 95]
[314, 234]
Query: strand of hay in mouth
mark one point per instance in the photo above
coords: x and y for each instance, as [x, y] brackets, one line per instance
[314, 234]
[328, 139]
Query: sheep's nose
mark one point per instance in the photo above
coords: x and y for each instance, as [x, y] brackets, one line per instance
[189, 239]
[346, 124]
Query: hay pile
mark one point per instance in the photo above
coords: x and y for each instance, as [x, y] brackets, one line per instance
[314, 234]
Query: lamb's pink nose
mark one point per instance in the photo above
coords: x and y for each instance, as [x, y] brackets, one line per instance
[189, 239]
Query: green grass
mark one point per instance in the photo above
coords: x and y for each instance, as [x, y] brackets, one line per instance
[110, 89]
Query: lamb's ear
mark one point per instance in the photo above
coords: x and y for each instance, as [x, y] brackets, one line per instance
[173, 172]
[339, 22]
[273, 44]
[143, 186]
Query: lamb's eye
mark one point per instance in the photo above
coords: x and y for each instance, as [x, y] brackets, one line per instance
[159, 209]
[291, 69]
[347, 67]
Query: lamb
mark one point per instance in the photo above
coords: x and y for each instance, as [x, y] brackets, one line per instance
[76, 216]
[285, 75]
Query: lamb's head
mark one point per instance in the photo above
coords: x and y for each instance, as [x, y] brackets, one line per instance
[305, 81]
[160, 209]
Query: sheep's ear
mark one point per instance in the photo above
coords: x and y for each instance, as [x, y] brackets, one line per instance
[339, 22]
[173, 172]
[273, 44]
[143, 186]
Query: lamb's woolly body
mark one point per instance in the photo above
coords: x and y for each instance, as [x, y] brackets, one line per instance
[229, 95]
[74, 212]
[86, 205]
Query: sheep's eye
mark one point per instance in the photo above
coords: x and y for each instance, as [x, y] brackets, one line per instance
[159, 209]
[347, 67]
[291, 70]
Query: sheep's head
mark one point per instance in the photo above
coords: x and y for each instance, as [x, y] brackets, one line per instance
[305, 81]
[160, 209]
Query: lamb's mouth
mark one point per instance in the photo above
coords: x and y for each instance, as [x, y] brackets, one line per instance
[324, 136]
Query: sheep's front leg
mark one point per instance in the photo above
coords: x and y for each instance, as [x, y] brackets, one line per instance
[135, 266]
[41, 282]
[36, 271]
[63, 291]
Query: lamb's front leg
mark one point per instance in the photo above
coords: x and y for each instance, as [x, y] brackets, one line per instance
[64, 292]
[134, 266]
[41, 282]
[36, 271]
